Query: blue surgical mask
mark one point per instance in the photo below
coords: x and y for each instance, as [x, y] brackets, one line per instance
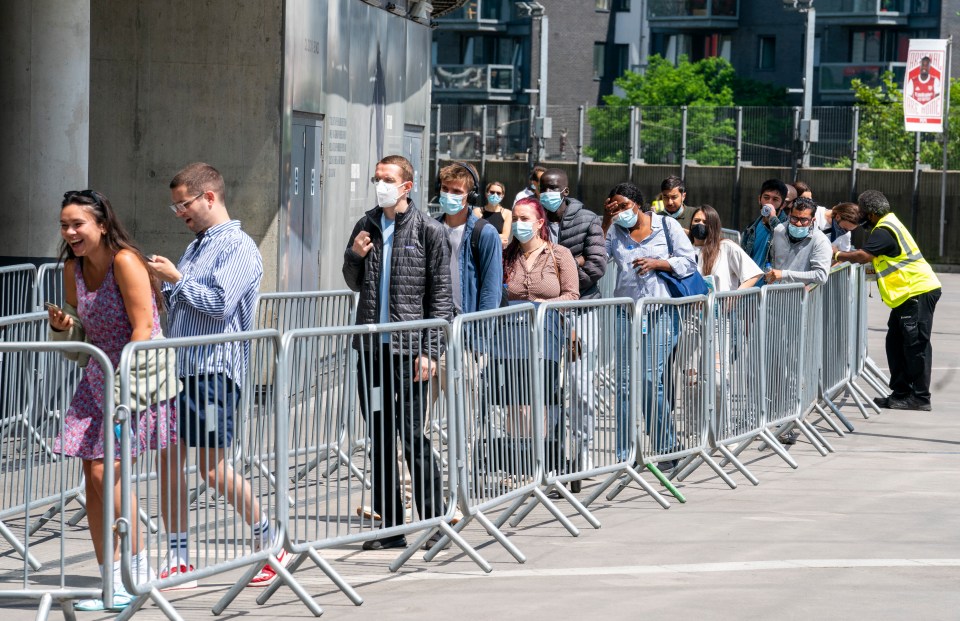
[675, 214]
[523, 231]
[626, 218]
[551, 200]
[798, 232]
[494, 199]
[451, 204]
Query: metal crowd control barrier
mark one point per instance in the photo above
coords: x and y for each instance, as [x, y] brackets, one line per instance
[840, 314]
[608, 282]
[243, 524]
[49, 286]
[863, 366]
[17, 289]
[496, 391]
[590, 424]
[374, 368]
[788, 393]
[673, 382]
[739, 379]
[731, 235]
[34, 474]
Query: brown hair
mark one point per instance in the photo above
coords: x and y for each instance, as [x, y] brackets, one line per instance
[459, 172]
[406, 168]
[115, 235]
[847, 211]
[711, 245]
[802, 187]
[200, 177]
[513, 251]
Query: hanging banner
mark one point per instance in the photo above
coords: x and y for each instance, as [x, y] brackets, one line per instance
[923, 85]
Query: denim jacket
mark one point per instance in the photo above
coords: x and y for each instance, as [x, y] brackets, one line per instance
[481, 286]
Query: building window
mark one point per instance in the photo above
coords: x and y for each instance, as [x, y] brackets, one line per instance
[622, 58]
[767, 53]
[598, 59]
[621, 5]
[603, 5]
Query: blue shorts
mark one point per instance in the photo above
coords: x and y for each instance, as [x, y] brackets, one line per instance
[206, 409]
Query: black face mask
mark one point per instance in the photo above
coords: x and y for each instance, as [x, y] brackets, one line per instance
[699, 231]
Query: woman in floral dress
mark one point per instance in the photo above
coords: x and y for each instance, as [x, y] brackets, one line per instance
[108, 288]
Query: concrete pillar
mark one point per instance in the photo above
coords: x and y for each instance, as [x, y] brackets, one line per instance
[44, 113]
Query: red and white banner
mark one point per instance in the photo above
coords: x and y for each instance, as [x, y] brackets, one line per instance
[924, 85]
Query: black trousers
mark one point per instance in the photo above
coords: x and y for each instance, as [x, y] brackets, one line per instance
[909, 353]
[391, 403]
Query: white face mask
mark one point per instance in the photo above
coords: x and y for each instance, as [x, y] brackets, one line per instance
[387, 195]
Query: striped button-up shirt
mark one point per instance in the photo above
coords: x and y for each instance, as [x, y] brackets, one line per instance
[217, 294]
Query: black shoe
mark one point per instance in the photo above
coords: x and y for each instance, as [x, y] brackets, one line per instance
[434, 540]
[909, 403]
[667, 465]
[576, 485]
[398, 541]
[789, 438]
[883, 402]
[554, 493]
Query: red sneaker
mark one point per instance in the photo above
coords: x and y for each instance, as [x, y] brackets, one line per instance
[178, 570]
[267, 575]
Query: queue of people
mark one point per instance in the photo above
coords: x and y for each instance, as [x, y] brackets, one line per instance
[477, 255]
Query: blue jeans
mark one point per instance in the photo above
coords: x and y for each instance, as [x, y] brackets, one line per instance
[657, 343]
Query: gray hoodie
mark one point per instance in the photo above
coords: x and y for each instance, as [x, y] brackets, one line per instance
[806, 261]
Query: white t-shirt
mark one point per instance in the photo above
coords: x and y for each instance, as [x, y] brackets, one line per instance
[455, 235]
[820, 217]
[522, 194]
[731, 267]
[843, 243]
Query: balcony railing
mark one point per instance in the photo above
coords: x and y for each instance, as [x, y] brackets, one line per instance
[476, 14]
[871, 12]
[485, 81]
[836, 78]
[687, 9]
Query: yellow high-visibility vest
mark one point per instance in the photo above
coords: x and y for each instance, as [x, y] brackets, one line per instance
[906, 275]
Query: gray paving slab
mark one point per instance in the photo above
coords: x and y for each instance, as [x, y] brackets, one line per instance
[870, 532]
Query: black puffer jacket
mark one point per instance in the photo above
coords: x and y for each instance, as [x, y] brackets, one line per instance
[581, 233]
[420, 285]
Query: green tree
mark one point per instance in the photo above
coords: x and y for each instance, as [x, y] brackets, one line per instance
[884, 142]
[708, 87]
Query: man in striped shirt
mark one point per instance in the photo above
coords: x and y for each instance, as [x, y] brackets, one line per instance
[212, 290]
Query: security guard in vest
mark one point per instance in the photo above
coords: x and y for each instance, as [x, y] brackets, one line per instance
[910, 288]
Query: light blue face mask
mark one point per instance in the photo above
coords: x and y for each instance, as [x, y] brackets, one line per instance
[451, 204]
[675, 214]
[798, 232]
[494, 199]
[551, 200]
[523, 231]
[626, 218]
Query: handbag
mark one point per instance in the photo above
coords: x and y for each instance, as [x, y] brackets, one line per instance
[693, 284]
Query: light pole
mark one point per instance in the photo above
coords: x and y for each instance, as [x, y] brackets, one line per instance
[537, 13]
[808, 127]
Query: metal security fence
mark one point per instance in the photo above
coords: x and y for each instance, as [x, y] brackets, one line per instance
[345, 435]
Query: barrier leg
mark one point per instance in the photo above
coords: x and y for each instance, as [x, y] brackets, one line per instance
[43, 611]
[334, 576]
[812, 432]
[866, 398]
[776, 448]
[589, 517]
[49, 514]
[165, 606]
[666, 483]
[450, 533]
[881, 376]
[826, 418]
[610, 480]
[633, 474]
[66, 607]
[294, 565]
[19, 547]
[553, 509]
[737, 450]
[875, 383]
[509, 511]
[836, 411]
[856, 400]
[497, 534]
[728, 454]
[716, 468]
[689, 468]
[81, 512]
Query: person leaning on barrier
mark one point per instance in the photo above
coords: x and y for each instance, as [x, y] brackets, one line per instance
[110, 300]
[727, 265]
[673, 191]
[799, 251]
[212, 290]
[844, 219]
[756, 238]
[909, 287]
[398, 260]
[572, 225]
[637, 241]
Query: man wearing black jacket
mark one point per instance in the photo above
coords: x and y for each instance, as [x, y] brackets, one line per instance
[578, 229]
[398, 260]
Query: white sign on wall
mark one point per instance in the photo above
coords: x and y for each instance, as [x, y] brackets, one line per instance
[924, 85]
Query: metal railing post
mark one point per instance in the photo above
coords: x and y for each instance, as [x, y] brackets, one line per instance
[854, 152]
[436, 144]
[580, 126]
[737, 165]
[683, 141]
[483, 143]
[633, 135]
